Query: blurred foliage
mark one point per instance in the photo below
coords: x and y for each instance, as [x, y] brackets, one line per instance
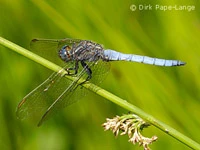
[169, 94]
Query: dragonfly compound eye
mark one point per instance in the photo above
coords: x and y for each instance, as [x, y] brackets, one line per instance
[64, 53]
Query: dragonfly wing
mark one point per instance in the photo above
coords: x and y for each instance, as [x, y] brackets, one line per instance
[72, 93]
[37, 101]
[75, 91]
[99, 71]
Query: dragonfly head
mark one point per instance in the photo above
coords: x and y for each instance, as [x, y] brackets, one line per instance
[65, 53]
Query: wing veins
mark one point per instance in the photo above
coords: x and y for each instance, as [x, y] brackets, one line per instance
[71, 86]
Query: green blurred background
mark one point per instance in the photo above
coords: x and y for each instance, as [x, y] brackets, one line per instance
[169, 94]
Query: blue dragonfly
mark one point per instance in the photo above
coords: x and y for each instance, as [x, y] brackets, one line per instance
[83, 59]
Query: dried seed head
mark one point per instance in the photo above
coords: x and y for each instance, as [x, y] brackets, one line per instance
[130, 125]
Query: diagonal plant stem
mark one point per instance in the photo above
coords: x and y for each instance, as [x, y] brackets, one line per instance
[111, 97]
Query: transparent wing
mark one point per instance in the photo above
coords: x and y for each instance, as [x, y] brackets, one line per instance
[58, 92]
[75, 91]
[37, 101]
[48, 48]
[99, 71]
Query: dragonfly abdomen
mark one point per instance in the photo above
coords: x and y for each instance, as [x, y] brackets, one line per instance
[111, 55]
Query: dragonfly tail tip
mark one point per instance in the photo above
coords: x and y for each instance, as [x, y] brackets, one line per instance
[181, 63]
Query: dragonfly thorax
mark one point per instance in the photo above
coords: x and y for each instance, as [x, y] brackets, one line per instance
[83, 51]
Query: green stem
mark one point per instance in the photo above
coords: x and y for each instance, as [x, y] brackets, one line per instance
[123, 103]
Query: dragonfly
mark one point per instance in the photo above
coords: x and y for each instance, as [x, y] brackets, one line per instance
[83, 59]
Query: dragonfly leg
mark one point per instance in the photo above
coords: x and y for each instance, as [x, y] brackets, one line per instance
[75, 69]
[87, 69]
